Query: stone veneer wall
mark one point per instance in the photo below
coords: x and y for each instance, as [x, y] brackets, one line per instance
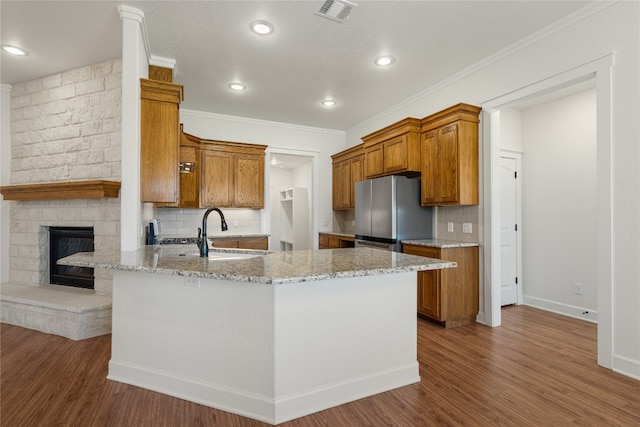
[64, 127]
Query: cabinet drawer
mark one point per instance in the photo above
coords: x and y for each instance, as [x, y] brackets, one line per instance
[334, 241]
[425, 251]
[254, 243]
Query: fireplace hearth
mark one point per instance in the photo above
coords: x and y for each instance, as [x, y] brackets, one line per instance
[65, 241]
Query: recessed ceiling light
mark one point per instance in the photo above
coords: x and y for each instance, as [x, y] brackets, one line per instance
[383, 61]
[237, 86]
[328, 103]
[13, 50]
[262, 27]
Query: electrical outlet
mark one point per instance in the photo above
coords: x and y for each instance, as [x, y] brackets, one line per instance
[191, 282]
[578, 288]
[467, 227]
[450, 227]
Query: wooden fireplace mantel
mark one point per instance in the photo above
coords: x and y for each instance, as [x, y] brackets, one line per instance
[61, 190]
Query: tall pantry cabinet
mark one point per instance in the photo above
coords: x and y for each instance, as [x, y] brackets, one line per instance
[159, 141]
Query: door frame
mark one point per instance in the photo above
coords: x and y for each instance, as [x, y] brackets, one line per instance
[315, 156]
[517, 156]
[599, 69]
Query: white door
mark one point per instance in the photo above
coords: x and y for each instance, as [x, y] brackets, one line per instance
[508, 231]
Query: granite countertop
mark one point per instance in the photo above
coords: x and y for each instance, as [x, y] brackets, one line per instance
[267, 267]
[440, 243]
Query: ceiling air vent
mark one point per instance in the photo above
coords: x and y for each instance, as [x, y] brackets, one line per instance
[336, 10]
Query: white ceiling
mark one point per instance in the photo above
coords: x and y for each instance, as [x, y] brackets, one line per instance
[288, 74]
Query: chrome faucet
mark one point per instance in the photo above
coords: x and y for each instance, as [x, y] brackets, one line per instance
[202, 242]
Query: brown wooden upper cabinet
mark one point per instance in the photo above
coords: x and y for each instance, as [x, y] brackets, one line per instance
[348, 168]
[231, 174]
[159, 141]
[190, 179]
[449, 150]
[393, 150]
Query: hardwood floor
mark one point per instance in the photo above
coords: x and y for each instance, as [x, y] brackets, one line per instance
[538, 369]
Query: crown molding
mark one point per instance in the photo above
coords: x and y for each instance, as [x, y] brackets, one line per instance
[518, 46]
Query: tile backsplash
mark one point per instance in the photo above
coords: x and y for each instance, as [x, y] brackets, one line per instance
[185, 222]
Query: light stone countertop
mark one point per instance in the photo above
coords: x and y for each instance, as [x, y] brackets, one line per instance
[268, 267]
[440, 243]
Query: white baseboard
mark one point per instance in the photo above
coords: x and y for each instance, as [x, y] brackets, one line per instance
[626, 366]
[581, 313]
[260, 407]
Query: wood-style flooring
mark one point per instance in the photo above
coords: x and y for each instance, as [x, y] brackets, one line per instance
[538, 369]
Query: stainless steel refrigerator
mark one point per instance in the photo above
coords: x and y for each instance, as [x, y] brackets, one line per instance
[388, 211]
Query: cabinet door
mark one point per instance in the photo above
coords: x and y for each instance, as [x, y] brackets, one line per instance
[429, 294]
[249, 181]
[429, 154]
[448, 164]
[159, 145]
[336, 194]
[190, 182]
[323, 241]
[216, 179]
[253, 243]
[373, 161]
[345, 183]
[225, 243]
[357, 174]
[395, 155]
[341, 185]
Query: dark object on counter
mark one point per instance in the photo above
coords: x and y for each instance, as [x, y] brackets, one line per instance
[202, 242]
[151, 234]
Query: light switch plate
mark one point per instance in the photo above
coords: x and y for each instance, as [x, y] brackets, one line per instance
[467, 227]
[450, 227]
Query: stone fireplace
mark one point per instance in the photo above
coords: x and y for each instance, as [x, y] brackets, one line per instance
[65, 129]
[29, 299]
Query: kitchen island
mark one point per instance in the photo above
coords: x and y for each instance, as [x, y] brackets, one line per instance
[271, 336]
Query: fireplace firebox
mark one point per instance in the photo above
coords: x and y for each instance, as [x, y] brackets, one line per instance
[65, 241]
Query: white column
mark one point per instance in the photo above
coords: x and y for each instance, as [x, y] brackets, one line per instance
[134, 65]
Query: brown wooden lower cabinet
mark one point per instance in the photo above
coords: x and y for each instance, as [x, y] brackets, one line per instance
[242, 242]
[448, 296]
[334, 241]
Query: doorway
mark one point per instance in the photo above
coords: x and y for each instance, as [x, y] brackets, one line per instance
[601, 71]
[288, 170]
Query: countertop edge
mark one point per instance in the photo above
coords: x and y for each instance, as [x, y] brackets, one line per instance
[440, 243]
[87, 259]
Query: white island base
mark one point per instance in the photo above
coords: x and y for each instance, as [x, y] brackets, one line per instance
[272, 352]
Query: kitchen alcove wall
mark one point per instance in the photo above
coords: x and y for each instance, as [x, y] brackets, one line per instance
[294, 219]
[281, 179]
